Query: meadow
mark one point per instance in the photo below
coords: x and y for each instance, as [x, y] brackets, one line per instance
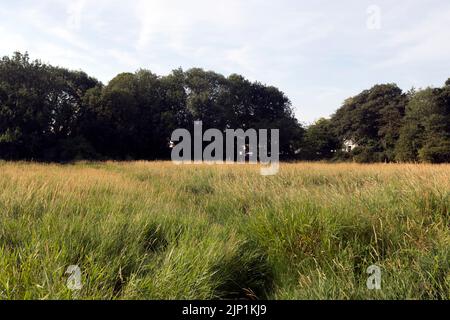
[143, 230]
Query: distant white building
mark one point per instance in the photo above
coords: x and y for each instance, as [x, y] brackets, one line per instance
[349, 145]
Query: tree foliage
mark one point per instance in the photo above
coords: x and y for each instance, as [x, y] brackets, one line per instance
[54, 114]
[372, 120]
[320, 142]
[40, 108]
[425, 135]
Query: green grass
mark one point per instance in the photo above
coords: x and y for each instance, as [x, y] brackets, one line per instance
[142, 230]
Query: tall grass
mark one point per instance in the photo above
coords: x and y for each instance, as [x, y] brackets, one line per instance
[142, 230]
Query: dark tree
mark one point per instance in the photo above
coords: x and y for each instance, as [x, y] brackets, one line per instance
[54, 114]
[373, 120]
[40, 108]
[320, 142]
[425, 135]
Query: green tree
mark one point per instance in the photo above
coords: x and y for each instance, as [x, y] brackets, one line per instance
[425, 135]
[204, 91]
[320, 142]
[373, 120]
[39, 109]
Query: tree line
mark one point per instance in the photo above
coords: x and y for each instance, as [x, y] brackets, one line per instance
[51, 113]
[386, 125]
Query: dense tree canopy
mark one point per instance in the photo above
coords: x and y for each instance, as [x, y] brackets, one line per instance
[320, 142]
[372, 120]
[425, 135]
[40, 108]
[54, 114]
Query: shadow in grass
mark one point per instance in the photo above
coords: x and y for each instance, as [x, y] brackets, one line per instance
[12, 240]
[368, 248]
[199, 189]
[246, 275]
[123, 274]
[144, 177]
[154, 239]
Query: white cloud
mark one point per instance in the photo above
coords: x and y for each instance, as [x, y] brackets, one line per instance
[422, 41]
[11, 42]
[318, 53]
[124, 58]
[175, 23]
[75, 14]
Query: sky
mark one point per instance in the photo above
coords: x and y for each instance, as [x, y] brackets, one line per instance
[317, 52]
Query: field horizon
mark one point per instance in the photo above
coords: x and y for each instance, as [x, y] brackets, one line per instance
[155, 230]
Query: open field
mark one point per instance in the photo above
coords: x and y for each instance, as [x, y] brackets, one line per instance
[141, 230]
